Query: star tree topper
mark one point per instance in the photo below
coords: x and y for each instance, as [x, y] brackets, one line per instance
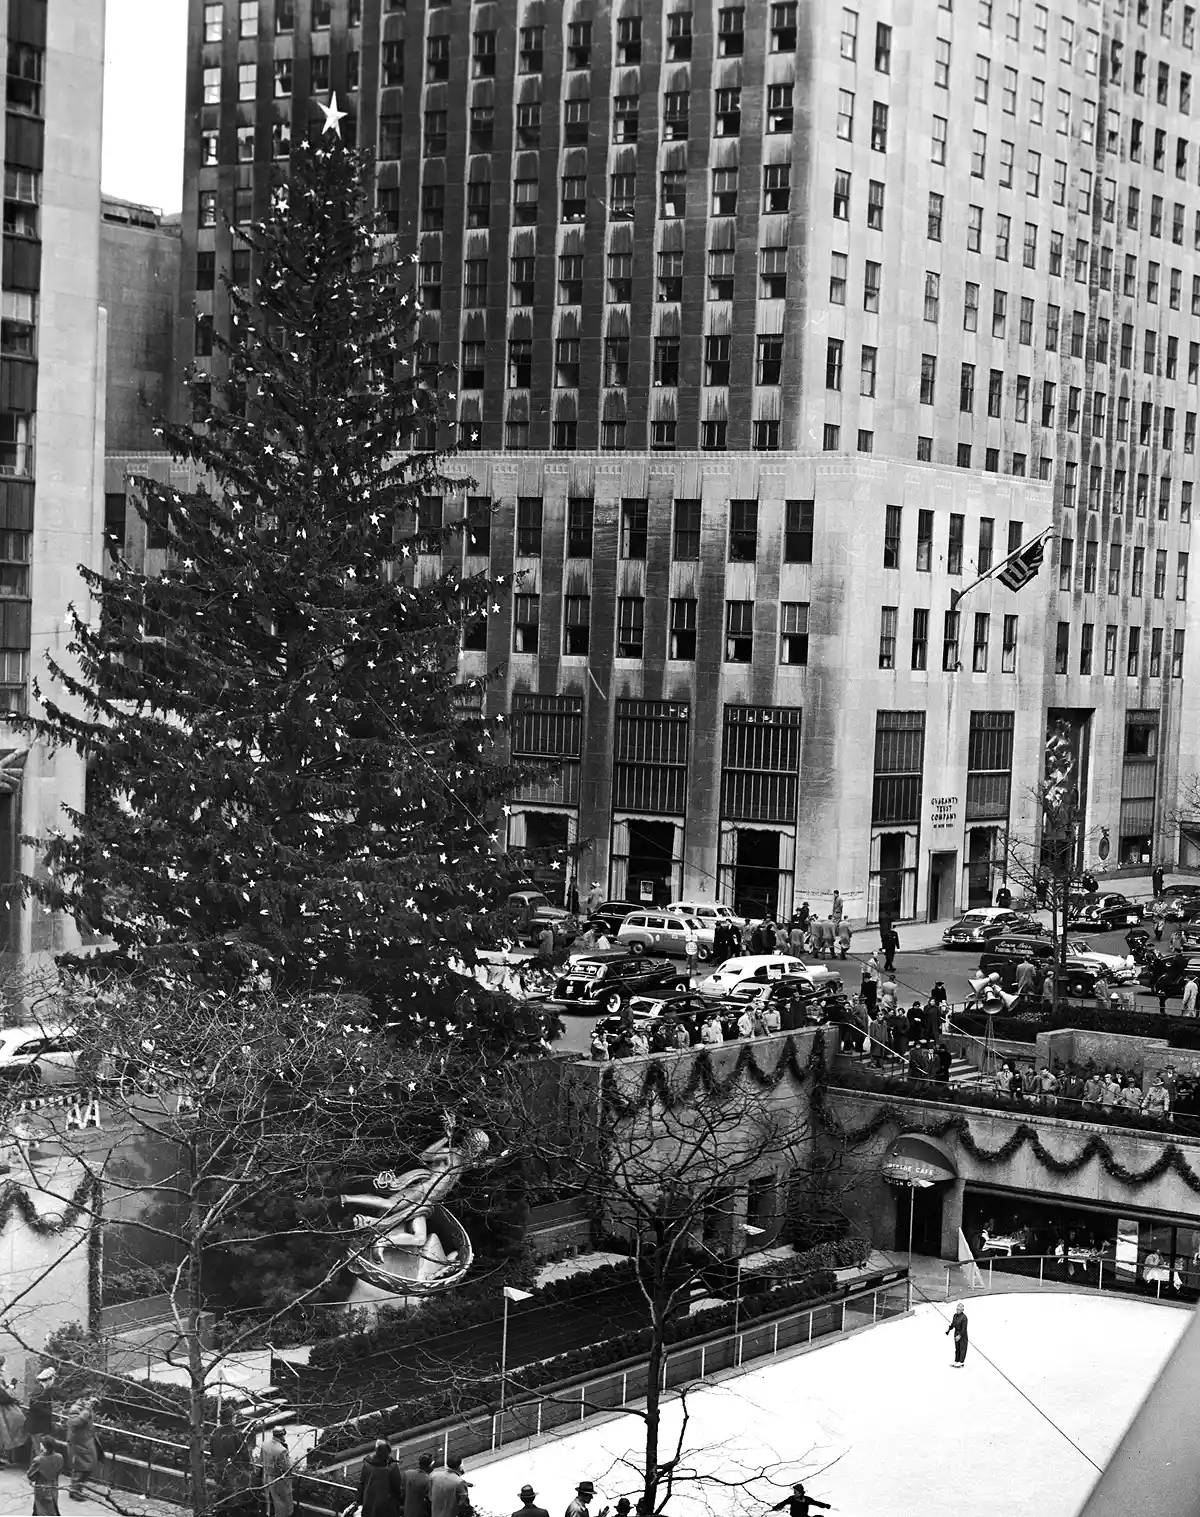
[333, 117]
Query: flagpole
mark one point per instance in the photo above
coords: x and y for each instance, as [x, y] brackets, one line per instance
[957, 595]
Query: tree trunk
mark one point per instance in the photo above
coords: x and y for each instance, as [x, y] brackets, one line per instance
[195, 1356]
[653, 1407]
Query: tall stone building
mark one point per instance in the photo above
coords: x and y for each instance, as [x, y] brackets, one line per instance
[775, 325]
[52, 348]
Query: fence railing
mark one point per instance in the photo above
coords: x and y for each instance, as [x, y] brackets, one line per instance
[1082, 1269]
[529, 1415]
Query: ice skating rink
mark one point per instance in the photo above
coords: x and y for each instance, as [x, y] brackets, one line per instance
[881, 1425]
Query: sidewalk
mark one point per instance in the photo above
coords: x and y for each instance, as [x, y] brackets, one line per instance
[16, 1499]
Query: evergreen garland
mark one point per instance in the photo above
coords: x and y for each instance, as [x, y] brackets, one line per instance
[14, 1197]
[656, 1087]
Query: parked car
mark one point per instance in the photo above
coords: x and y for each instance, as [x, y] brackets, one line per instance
[709, 913]
[797, 998]
[986, 922]
[762, 966]
[664, 932]
[1186, 937]
[1178, 903]
[39, 1055]
[1004, 952]
[1168, 974]
[609, 915]
[1118, 969]
[531, 911]
[1105, 910]
[610, 976]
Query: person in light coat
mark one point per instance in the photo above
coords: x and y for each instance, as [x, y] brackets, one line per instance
[81, 1445]
[277, 1475]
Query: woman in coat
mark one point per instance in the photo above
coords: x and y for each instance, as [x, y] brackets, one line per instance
[44, 1469]
[12, 1418]
[380, 1484]
[81, 1445]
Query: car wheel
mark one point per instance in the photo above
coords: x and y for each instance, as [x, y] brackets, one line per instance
[680, 985]
[1078, 987]
[613, 1002]
[637, 948]
[703, 953]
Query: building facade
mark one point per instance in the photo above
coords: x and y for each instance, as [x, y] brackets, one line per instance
[773, 326]
[52, 356]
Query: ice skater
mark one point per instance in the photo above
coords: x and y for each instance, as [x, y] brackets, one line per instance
[958, 1326]
[800, 1505]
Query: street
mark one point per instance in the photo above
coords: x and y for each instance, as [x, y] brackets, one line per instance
[916, 973]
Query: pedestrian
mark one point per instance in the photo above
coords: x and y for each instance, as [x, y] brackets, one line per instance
[44, 1469]
[39, 1419]
[958, 1326]
[599, 1047]
[877, 1031]
[845, 935]
[82, 1454]
[1158, 929]
[449, 1489]
[745, 1024]
[416, 1488]
[944, 1060]
[1041, 891]
[837, 909]
[12, 1419]
[595, 899]
[691, 949]
[584, 1492]
[1156, 878]
[1026, 979]
[380, 1484]
[545, 942]
[869, 988]
[277, 1475]
[1162, 998]
[1048, 1087]
[804, 916]
[229, 1450]
[891, 943]
[712, 1033]
[939, 997]
[1004, 896]
[528, 1508]
[1189, 996]
[1157, 1100]
[798, 1504]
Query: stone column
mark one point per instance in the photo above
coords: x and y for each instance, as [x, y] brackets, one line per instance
[952, 1215]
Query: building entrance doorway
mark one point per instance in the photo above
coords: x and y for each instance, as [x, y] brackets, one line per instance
[891, 876]
[756, 873]
[651, 862]
[942, 868]
[981, 851]
[926, 1204]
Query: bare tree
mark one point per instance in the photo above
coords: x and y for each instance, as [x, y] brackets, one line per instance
[234, 1124]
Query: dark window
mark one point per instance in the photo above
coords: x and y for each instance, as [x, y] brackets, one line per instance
[634, 517]
[798, 531]
[577, 613]
[630, 626]
[891, 537]
[529, 526]
[730, 32]
[580, 511]
[743, 531]
[683, 630]
[739, 631]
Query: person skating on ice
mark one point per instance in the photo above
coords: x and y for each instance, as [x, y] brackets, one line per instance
[798, 1504]
[958, 1326]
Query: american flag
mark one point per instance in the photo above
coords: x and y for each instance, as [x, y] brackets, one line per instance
[1024, 566]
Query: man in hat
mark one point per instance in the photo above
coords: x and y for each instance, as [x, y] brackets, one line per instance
[958, 1326]
[39, 1418]
[584, 1492]
[229, 1449]
[416, 1488]
[595, 899]
[798, 1504]
[527, 1507]
[380, 1484]
[277, 1475]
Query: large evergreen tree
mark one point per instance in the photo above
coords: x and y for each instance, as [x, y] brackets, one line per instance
[282, 779]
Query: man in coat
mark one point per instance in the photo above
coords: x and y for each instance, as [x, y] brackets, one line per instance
[578, 1507]
[416, 1488]
[229, 1450]
[889, 940]
[449, 1489]
[39, 1418]
[527, 1508]
[277, 1475]
[81, 1446]
[380, 1484]
[958, 1326]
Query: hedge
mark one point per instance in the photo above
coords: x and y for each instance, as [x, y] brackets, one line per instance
[1180, 1032]
[419, 1411]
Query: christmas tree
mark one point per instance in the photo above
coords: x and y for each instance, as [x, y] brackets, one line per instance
[284, 779]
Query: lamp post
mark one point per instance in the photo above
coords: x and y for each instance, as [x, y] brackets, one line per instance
[511, 1293]
[749, 1232]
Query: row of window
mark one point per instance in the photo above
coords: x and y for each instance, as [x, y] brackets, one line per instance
[1137, 566]
[1134, 646]
[321, 16]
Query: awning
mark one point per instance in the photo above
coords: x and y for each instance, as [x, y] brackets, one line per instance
[914, 1158]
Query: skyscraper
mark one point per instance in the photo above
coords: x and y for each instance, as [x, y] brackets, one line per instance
[775, 326]
[51, 409]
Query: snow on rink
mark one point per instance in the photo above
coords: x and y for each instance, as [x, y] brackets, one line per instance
[881, 1425]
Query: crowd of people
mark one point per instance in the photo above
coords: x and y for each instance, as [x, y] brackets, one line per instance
[1092, 1091]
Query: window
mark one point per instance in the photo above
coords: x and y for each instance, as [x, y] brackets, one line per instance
[1110, 649]
[392, 62]
[716, 360]
[1003, 235]
[888, 618]
[529, 526]
[579, 45]
[920, 638]
[879, 127]
[529, 124]
[247, 80]
[783, 27]
[474, 282]
[683, 630]
[1086, 644]
[777, 187]
[483, 55]
[520, 363]
[1134, 653]
[433, 207]
[720, 274]
[526, 614]
[871, 276]
[619, 288]
[577, 613]
[622, 190]
[566, 362]
[793, 632]
[577, 116]
[983, 72]
[631, 611]
[937, 140]
[679, 36]
[848, 45]
[743, 531]
[672, 194]
[730, 32]
[798, 532]
[739, 631]
[574, 198]
[1062, 648]
[1137, 572]
[1008, 646]
[629, 41]
[212, 23]
[1160, 573]
[867, 372]
[780, 113]
[950, 628]
[1066, 562]
[883, 48]
[212, 86]
[995, 392]
[841, 196]
[837, 279]
[924, 541]
[833, 363]
[974, 228]
[979, 644]
[727, 113]
[529, 49]
[891, 537]
[978, 154]
[724, 192]
[875, 205]
[1177, 653]
[933, 224]
[580, 512]
[773, 274]
[999, 312]
[770, 362]
[971, 308]
[625, 118]
[932, 290]
[966, 388]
